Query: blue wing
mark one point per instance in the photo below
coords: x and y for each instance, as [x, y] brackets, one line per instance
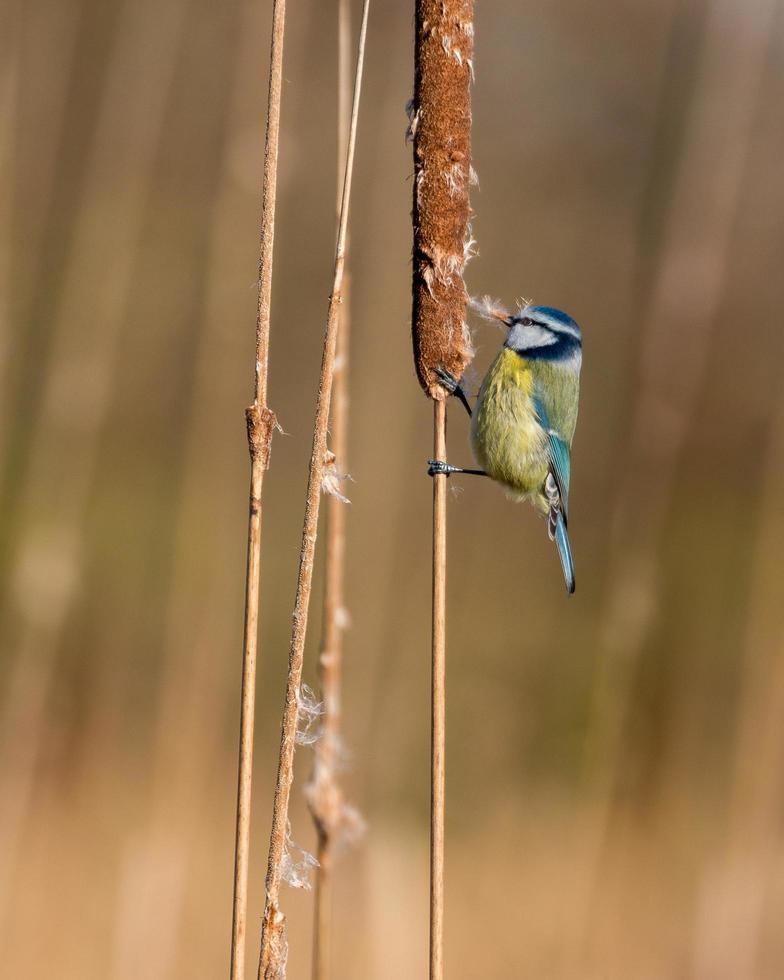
[558, 495]
[559, 453]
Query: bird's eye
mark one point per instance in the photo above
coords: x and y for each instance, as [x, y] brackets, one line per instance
[527, 321]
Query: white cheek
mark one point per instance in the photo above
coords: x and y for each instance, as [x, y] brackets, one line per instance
[527, 336]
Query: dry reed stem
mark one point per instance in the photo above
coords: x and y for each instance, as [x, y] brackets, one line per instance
[441, 129]
[272, 958]
[260, 424]
[438, 701]
[324, 795]
[440, 125]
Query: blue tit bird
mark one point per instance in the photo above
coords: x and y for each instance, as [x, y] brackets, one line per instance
[524, 420]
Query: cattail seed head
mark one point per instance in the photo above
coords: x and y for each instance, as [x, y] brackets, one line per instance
[441, 132]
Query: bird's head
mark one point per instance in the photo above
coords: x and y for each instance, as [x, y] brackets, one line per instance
[542, 332]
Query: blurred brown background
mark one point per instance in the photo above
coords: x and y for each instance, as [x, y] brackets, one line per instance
[615, 761]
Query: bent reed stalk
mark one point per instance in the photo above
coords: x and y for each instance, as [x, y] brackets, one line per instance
[324, 794]
[260, 421]
[272, 958]
[440, 124]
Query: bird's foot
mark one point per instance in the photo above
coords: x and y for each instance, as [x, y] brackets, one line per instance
[452, 385]
[439, 467]
[447, 379]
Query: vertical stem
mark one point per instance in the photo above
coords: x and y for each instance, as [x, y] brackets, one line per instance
[247, 712]
[260, 424]
[440, 126]
[323, 792]
[438, 704]
[273, 951]
[268, 198]
[322, 916]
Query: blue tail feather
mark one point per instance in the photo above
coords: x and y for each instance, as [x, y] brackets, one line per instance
[564, 552]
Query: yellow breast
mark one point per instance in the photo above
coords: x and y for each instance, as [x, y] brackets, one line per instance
[507, 439]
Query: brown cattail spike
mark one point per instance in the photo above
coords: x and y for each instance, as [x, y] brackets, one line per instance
[440, 125]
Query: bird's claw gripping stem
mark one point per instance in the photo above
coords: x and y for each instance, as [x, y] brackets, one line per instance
[452, 385]
[438, 467]
[447, 379]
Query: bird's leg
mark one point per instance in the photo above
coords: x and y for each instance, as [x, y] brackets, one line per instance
[452, 385]
[438, 467]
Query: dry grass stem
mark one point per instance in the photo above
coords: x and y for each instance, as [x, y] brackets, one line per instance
[441, 129]
[260, 425]
[324, 794]
[440, 125]
[272, 959]
[438, 702]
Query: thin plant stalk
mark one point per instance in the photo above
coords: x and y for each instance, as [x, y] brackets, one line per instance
[273, 951]
[260, 425]
[324, 793]
[440, 125]
[438, 701]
